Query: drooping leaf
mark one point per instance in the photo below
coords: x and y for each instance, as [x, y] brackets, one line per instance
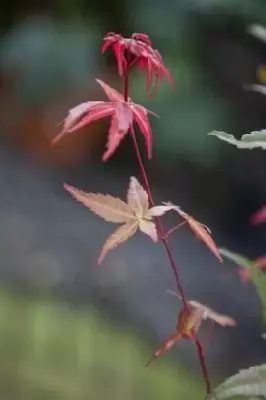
[142, 54]
[258, 277]
[120, 235]
[248, 382]
[141, 118]
[167, 345]
[248, 141]
[209, 313]
[111, 209]
[201, 231]
[187, 326]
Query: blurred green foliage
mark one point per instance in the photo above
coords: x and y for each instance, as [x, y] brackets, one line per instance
[53, 350]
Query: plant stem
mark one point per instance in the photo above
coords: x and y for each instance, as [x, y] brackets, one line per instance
[175, 228]
[161, 231]
[164, 238]
[203, 366]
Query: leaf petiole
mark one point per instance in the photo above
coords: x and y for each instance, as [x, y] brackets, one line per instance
[175, 228]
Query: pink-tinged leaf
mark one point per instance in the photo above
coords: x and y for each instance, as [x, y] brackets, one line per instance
[259, 217]
[149, 228]
[114, 139]
[119, 127]
[77, 112]
[137, 198]
[124, 115]
[111, 93]
[106, 45]
[118, 49]
[157, 211]
[201, 231]
[202, 234]
[120, 235]
[96, 113]
[74, 115]
[111, 209]
[140, 117]
[167, 345]
[220, 319]
[143, 37]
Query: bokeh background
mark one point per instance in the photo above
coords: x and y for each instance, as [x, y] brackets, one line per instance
[67, 329]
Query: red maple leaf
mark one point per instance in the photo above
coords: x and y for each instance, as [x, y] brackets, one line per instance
[138, 51]
[123, 115]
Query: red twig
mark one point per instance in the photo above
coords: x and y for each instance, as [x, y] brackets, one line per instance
[175, 228]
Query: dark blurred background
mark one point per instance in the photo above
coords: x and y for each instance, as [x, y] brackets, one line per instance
[69, 330]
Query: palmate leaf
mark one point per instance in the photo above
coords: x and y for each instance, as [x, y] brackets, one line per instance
[258, 277]
[249, 382]
[249, 141]
[135, 214]
[123, 116]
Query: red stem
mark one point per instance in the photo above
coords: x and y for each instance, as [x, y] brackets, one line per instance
[164, 238]
[175, 228]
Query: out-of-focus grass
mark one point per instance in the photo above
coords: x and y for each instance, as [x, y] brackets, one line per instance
[50, 349]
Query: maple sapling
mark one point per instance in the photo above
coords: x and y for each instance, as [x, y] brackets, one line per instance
[139, 212]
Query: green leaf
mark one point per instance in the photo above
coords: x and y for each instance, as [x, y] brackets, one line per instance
[237, 258]
[258, 277]
[249, 141]
[248, 382]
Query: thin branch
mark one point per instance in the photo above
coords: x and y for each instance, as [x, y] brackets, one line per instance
[175, 228]
[164, 238]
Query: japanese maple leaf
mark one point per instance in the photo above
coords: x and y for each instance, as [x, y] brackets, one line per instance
[135, 214]
[188, 324]
[202, 232]
[137, 50]
[123, 115]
